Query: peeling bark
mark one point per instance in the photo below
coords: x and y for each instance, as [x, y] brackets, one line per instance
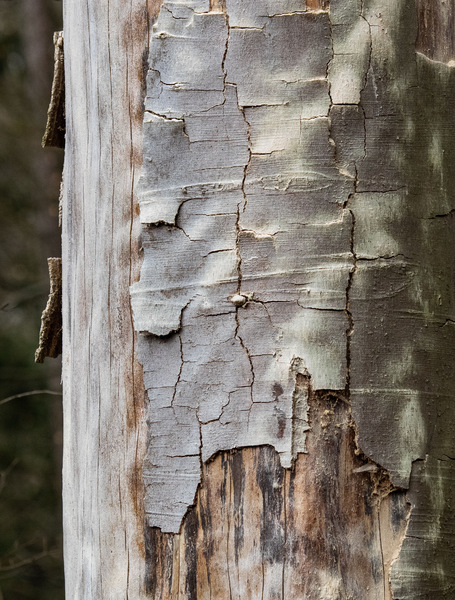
[229, 156]
[329, 527]
[288, 214]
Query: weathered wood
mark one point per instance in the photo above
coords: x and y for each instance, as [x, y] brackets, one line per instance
[297, 210]
[330, 527]
[436, 30]
[104, 426]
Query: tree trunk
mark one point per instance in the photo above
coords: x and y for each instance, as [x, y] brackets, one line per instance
[273, 416]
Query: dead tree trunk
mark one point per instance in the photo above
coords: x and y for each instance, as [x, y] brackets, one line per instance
[273, 416]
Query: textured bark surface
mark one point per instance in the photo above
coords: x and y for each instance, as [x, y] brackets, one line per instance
[241, 198]
[297, 201]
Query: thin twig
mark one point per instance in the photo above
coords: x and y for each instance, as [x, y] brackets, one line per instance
[32, 393]
[28, 561]
[4, 474]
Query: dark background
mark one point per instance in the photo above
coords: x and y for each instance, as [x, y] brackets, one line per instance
[30, 427]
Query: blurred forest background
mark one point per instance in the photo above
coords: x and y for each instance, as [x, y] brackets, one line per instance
[30, 426]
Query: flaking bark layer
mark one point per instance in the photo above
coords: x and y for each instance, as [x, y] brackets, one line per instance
[240, 196]
[301, 159]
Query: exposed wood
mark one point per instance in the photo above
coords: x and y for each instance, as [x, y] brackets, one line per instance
[50, 336]
[436, 29]
[317, 4]
[104, 426]
[330, 527]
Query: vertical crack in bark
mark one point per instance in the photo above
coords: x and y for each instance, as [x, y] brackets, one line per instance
[351, 274]
[178, 375]
[327, 71]
[239, 210]
[239, 258]
[365, 81]
[350, 330]
[248, 355]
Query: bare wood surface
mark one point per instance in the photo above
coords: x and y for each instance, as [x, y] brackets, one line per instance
[330, 527]
[103, 388]
[436, 29]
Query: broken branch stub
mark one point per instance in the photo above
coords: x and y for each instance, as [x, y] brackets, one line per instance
[54, 134]
[50, 337]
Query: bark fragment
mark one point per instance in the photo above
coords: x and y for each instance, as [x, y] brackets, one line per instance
[50, 337]
[54, 134]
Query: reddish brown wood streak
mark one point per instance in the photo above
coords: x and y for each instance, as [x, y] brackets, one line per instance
[258, 530]
[317, 4]
[436, 29]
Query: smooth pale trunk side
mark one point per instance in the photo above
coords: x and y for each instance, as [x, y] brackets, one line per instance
[274, 415]
[104, 425]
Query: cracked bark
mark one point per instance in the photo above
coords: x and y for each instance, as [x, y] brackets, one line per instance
[294, 312]
[304, 130]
